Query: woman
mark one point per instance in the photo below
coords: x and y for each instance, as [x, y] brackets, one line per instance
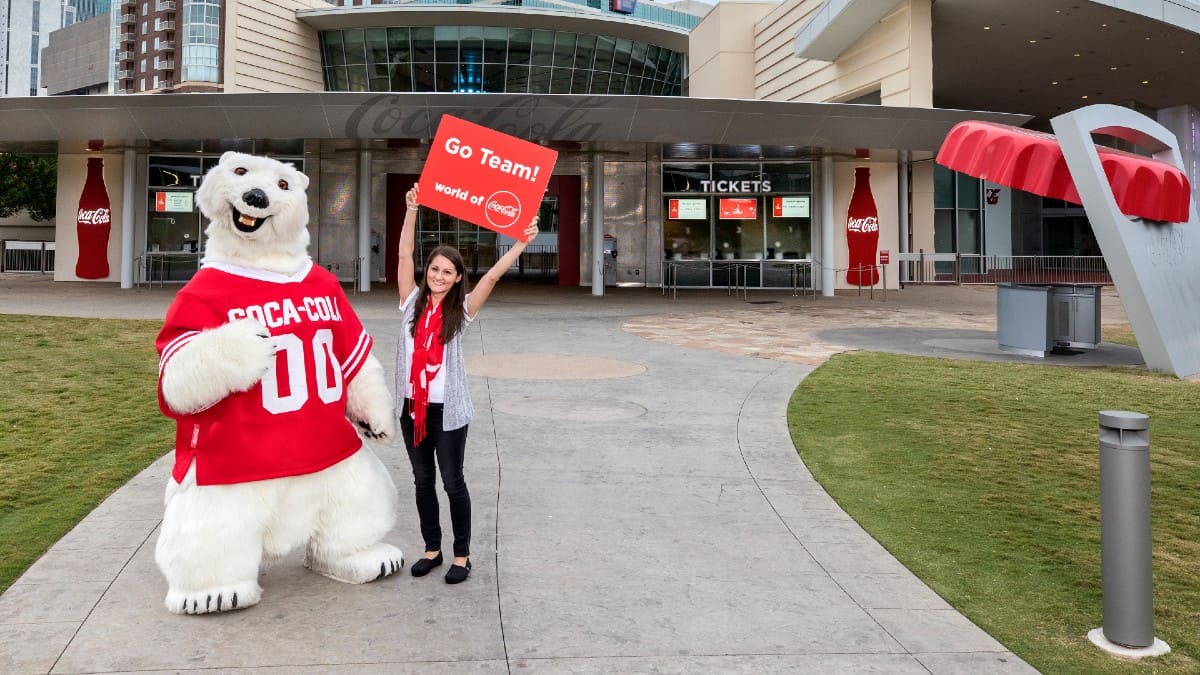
[431, 383]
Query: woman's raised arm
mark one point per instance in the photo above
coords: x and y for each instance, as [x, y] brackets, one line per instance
[405, 267]
[483, 288]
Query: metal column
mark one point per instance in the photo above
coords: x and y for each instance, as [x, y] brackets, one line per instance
[364, 221]
[828, 276]
[902, 197]
[130, 173]
[597, 224]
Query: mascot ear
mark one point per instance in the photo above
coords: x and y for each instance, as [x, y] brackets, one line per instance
[228, 155]
[300, 179]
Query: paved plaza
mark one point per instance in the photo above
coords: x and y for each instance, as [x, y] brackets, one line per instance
[638, 508]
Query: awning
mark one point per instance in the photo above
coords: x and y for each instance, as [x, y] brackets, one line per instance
[135, 120]
[1033, 161]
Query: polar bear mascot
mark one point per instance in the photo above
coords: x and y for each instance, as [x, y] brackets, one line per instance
[269, 375]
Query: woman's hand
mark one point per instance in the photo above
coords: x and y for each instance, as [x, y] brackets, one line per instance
[531, 231]
[412, 197]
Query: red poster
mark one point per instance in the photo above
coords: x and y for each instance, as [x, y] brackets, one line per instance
[485, 177]
[673, 209]
[739, 209]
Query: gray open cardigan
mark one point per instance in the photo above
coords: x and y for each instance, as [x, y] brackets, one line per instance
[457, 409]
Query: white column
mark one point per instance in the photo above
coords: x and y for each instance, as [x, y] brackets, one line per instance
[902, 206]
[597, 224]
[364, 220]
[130, 173]
[828, 277]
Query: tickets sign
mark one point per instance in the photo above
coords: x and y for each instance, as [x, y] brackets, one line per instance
[485, 177]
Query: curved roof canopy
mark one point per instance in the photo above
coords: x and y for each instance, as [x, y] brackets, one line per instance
[38, 124]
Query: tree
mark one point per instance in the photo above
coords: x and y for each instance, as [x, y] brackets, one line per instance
[29, 183]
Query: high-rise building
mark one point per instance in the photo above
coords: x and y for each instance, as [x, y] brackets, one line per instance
[27, 25]
[74, 11]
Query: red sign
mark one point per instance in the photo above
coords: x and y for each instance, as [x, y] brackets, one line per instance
[739, 209]
[885, 256]
[485, 177]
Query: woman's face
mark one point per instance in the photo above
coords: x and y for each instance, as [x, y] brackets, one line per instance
[441, 276]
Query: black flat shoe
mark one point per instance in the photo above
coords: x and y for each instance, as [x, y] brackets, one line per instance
[457, 573]
[422, 566]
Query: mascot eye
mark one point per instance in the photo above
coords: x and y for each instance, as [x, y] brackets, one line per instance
[241, 171]
[283, 185]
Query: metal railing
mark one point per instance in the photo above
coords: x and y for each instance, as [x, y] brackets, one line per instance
[339, 269]
[954, 268]
[27, 256]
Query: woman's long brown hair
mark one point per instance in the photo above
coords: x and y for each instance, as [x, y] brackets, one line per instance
[452, 304]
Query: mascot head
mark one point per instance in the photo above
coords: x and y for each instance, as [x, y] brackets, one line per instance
[258, 213]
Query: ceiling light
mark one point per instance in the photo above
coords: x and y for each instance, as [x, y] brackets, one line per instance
[1078, 54]
[987, 27]
[1084, 96]
[1112, 67]
[1145, 81]
[1054, 82]
[1033, 42]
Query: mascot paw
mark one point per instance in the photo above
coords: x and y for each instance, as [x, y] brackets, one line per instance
[382, 430]
[373, 562]
[216, 599]
[248, 351]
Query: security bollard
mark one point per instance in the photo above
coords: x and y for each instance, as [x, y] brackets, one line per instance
[1125, 550]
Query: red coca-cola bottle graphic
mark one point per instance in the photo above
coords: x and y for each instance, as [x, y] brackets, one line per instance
[93, 224]
[862, 231]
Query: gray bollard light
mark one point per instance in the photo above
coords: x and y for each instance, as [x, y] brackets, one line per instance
[1125, 549]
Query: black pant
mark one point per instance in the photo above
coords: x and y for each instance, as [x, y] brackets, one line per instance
[448, 449]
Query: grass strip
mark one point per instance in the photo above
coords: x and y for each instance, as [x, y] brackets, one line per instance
[983, 479]
[79, 417]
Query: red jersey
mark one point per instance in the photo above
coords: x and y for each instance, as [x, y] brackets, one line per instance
[293, 421]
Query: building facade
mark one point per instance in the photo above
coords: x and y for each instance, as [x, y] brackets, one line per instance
[761, 117]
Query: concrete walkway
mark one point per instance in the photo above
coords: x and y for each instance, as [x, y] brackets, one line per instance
[638, 507]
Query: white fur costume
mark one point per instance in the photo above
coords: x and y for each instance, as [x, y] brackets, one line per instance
[220, 527]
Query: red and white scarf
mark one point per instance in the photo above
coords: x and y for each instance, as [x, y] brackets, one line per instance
[428, 352]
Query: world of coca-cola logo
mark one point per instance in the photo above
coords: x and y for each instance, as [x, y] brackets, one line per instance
[94, 216]
[868, 224]
[502, 209]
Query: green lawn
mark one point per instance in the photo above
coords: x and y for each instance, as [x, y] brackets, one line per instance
[983, 479]
[79, 417]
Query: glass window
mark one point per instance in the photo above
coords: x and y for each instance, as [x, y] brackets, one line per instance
[560, 81]
[616, 83]
[399, 50]
[518, 46]
[737, 172]
[789, 177]
[687, 239]
[495, 44]
[564, 49]
[445, 44]
[516, 79]
[605, 46]
[355, 46]
[446, 76]
[621, 56]
[737, 151]
[788, 238]
[423, 77]
[943, 187]
[737, 239]
[377, 39]
[968, 191]
[331, 42]
[539, 80]
[174, 171]
[494, 77]
[542, 50]
[686, 151]
[684, 177]
[585, 52]
[637, 59]
[356, 78]
[599, 83]
[401, 77]
[422, 45]
[580, 80]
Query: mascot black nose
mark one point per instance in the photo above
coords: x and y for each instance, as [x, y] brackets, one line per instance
[256, 198]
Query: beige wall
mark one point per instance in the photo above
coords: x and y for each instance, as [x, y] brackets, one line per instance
[895, 58]
[721, 50]
[267, 49]
[72, 172]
